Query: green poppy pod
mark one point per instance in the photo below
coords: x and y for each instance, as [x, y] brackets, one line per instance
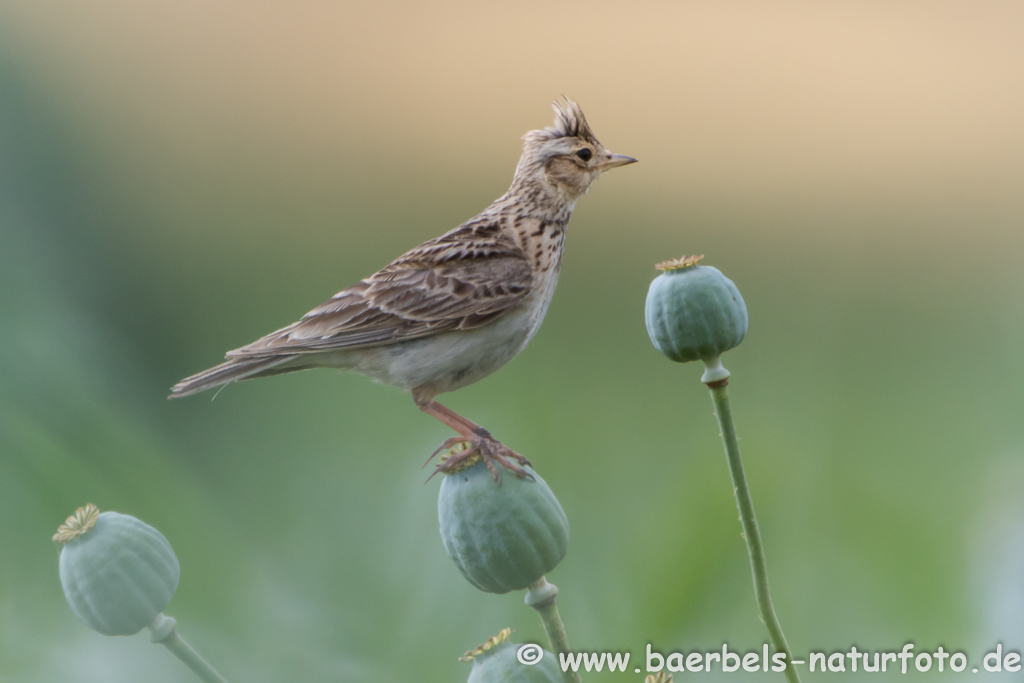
[118, 573]
[502, 536]
[694, 312]
[499, 661]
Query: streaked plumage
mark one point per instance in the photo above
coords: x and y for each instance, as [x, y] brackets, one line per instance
[457, 307]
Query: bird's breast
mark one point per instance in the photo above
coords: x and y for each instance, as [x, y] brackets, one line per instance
[542, 291]
[542, 241]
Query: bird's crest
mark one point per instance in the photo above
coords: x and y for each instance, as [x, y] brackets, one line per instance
[569, 122]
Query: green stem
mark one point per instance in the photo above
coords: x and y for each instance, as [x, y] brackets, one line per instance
[164, 631]
[750, 531]
[541, 597]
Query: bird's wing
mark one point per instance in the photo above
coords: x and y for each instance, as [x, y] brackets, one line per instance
[457, 281]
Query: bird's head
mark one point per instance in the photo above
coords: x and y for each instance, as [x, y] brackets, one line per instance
[566, 156]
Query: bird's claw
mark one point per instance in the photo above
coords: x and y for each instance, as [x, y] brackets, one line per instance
[484, 447]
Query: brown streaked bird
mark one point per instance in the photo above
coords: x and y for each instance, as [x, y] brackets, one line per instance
[456, 308]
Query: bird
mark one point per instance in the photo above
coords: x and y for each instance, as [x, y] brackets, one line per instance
[457, 307]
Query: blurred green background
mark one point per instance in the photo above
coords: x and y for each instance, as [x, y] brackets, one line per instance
[179, 178]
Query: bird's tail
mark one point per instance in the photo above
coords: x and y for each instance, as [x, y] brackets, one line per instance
[230, 371]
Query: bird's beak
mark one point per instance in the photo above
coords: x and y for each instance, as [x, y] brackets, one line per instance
[616, 160]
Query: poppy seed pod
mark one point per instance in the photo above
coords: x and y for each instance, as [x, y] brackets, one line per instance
[505, 536]
[694, 312]
[499, 661]
[118, 573]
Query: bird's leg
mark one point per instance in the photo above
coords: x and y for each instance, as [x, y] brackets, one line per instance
[476, 439]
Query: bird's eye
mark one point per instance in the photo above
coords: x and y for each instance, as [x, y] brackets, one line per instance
[584, 154]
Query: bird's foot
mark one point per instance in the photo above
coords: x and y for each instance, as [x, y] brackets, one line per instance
[479, 445]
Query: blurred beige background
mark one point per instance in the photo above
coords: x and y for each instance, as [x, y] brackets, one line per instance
[756, 100]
